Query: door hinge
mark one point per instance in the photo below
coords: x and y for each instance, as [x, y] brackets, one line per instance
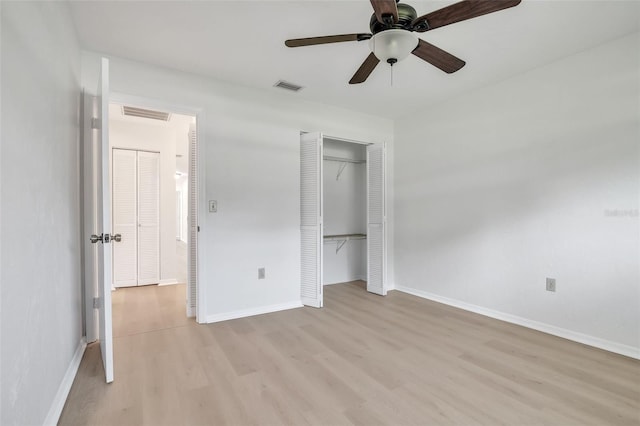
[96, 303]
[95, 123]
[198, 228]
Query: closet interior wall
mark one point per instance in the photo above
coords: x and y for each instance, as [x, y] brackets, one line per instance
[344, 211]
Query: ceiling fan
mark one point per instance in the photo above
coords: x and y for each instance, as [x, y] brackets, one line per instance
[393, 27]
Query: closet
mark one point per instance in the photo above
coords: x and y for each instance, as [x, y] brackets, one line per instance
[342, 214]
[344, 194]
[136, 216]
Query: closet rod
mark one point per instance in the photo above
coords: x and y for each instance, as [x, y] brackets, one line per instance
[343, 160]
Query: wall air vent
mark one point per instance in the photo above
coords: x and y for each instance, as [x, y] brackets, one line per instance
[145, 113]
[287, 86]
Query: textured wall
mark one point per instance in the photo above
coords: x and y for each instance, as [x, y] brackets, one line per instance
[39, 230]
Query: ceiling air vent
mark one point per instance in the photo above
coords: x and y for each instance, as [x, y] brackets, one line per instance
[145, 113]
[287, 86]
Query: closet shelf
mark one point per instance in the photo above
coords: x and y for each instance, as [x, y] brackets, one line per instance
[342, 239]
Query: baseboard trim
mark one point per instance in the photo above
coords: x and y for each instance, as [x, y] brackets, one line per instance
[65, 386]
[586, 339]
[253, 311]
[171, 281]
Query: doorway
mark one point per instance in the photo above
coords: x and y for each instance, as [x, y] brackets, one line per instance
[342, 215]
[97, 209]
[150, 166]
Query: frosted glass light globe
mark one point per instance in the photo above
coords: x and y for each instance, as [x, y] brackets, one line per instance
[393, 44]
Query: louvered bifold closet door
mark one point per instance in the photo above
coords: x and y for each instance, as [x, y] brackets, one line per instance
[192, 218]
[125, 256]
[376, 218]
[148, 217]
[311, 219]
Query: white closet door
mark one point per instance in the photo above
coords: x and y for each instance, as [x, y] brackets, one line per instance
[311, 219]
[192, 219]
[148, 217]
[125, 256]
[376, 218]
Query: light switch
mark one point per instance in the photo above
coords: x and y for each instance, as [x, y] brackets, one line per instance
[213, 206]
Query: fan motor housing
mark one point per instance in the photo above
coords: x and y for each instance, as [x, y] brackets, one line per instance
[406, 15]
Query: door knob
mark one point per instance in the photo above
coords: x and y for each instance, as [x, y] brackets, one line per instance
[117, 238]
[95, 238]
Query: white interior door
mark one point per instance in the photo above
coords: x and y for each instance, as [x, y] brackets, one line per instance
[103, 211]
[376, 220]
[148, 217]
[125, 214]
[311, 219]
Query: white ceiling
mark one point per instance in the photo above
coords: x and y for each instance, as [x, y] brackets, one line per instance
[242, 42]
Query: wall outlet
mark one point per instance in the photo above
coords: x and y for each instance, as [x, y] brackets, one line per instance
[551, 284]
[213, 206]
[261, 273]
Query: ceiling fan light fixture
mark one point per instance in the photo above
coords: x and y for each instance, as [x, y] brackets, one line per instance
[393, 45]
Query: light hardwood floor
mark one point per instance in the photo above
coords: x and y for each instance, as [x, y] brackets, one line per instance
[364, 360]
[148, 308]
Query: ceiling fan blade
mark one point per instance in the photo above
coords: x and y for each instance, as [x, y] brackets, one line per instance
[461, 11]
[438, 57]
[309, 41]
[365, 69]
[385, 8]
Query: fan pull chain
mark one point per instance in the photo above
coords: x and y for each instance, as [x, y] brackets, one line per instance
[392, 61]
[391, 75]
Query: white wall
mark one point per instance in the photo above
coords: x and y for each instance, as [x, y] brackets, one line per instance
[41, 319]
[344, 212]
[162, 139]
[507, 185]
[250, 153]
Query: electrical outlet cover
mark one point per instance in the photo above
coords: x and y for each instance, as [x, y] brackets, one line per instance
[551, 284]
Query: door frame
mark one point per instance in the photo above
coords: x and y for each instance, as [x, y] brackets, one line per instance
[324, 136]
[151, 103]
[89, 218]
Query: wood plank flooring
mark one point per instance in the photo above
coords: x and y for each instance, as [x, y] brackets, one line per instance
[148, 308]
[361, 360]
